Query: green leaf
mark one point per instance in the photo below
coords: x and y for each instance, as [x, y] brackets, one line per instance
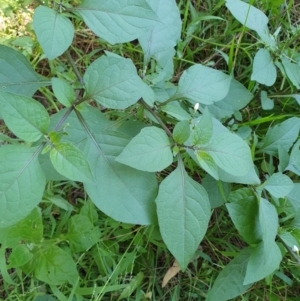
[293, 196]
[63, 91]
[16, 73]
[148, 151]
[159, 41]
[289, 239]
[292, 71]
[248, 15]
[69, 161]
[229, 283]
[132, 286]
[202, 130]
[284, 158]
[82, 235]
[230, 153]
[204, 85]
[22, 183]
[279, 185]
[131, 192]
[264, 70]
[115, 21]
[182, 204]
[245, 215]
[176, 110]
[181, 131]
[24, 116]
[217, 191]
[19, 256]
[294, 159]
[264, 260]
[266, 102]
[284, 134]
[113, 82]
[55, 267]
[237, 98]
[54, 32]
[28, 230]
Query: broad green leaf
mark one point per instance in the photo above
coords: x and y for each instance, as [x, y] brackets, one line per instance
[113, 82]
[81, 235]
[158, 42]
[248, 15]
[284, 158]
[24, 116]
[28, 230]
[69, 161]
[176, 110]
[201, 131]
[22, 183]
[181, 131]
[19, 256]
[182, 204]
[148, 151]
[230, 153]
[117, 21]
[217, 191]
[204, 85]
[237, 98]
[264, 260]
[279, 185]
[284, 134]
[264, 70]
[63, 91]
[266, 102]
[55, 266]
[294, 159]
[245, 215]
[54, 32]
[131, 192]
[292, 71]
[239, 194]
[16, 73]
[229, 283]
[268, 220]
[293, 196]
[207, 163]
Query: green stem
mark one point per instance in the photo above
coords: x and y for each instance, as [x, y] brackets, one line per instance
[293, 254]
[74, 67]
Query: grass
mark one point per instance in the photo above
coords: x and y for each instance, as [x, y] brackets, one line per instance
[129, 260]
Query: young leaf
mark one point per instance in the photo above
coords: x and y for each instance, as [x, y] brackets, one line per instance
[248, 15]
[182, 204]
[117, 21]
[16, 73]
[113, 82]
[55, 266]
[266, 102]
[204, 85]
[163, 35]
[181, 131]
[284, 134]
[229, 283]
[176, 110]
[292, 71]
[264, 70]
[24, 116]
[230, 153]
[279, 185]
[22, 183]
[69, 161]
[264, 260]
[202, 130]
[54, 32]
[63, 91]
[148, 151]
[81, 235]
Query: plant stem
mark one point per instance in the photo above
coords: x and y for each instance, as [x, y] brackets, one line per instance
[293, 254]
[157, 118]
[74, 67]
